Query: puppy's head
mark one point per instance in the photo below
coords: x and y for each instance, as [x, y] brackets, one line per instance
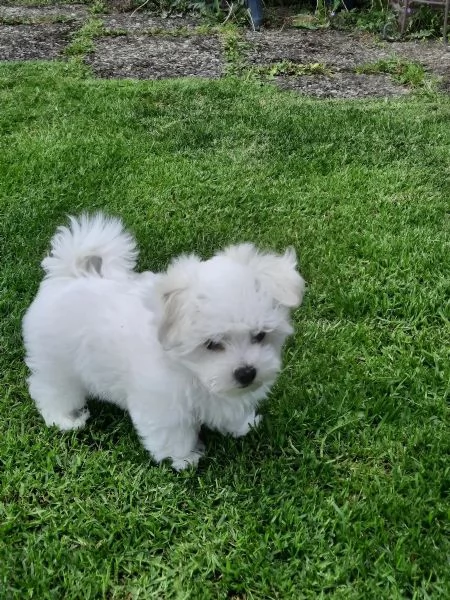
[226, 318]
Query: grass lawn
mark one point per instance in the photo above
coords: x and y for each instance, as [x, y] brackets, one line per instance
[344, 490]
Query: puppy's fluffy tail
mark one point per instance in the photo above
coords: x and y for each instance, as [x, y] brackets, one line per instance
[91, 246]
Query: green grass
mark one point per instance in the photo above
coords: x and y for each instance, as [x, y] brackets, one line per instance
[403, 71]
[289, 68]
[83, 41]
[343, 491]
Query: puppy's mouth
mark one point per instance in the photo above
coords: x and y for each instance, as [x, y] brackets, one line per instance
[241, 390]
[250, 386]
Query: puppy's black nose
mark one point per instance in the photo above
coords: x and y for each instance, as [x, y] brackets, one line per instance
[245, 375]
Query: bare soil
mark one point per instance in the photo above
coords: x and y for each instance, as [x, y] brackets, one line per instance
[343, 85]
[145, 57]
[33, 14]
[142, 21]
[342, 51]
[434, 55]
[32, 33]
[31, 42]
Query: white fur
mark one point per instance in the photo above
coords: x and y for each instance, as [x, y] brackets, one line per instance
[139, 340]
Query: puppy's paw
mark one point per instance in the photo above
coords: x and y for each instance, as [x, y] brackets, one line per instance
[251, 422]
[191, 460]
[74, 420]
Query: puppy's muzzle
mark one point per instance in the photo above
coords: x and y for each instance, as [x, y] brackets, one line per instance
[245, 375]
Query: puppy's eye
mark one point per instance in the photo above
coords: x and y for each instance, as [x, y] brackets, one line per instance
[214, 346]
[258, 338]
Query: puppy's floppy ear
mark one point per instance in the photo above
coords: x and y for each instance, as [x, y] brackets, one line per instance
[173, 289]
[276, 273]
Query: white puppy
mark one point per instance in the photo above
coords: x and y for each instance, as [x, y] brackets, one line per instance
[199, 344]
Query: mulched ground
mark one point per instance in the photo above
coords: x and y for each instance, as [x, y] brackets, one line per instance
[342, 51]
[343, 85]
[32, 14]
[142, 21]
[29, 42]
[145, 57]
[434, 55]
[32, 33]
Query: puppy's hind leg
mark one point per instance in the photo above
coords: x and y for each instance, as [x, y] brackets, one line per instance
[60, 400]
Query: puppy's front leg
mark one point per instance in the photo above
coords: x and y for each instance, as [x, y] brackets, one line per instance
[240, 426]
[176, 441]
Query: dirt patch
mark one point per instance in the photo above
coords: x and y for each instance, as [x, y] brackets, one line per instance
[342, 85]
[143, 57]
[342, 52]
[28, 42]
[27, 14]
[435, 56]
[143, 22]
[339, 50]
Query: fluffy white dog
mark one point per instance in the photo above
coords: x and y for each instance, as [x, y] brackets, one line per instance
[198, 344]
